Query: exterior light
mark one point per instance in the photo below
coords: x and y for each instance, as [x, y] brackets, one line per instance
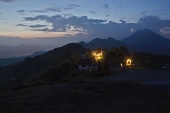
[128, 62]
[97, 56]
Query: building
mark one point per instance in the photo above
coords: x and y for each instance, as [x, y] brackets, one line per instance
[85, 64]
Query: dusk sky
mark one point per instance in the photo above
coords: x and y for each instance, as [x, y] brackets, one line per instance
[58, 22]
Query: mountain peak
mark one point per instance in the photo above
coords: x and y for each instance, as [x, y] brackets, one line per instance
[147, 31]
[148, 41]
[102, 43]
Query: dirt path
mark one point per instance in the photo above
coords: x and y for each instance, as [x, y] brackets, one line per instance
[158, 79]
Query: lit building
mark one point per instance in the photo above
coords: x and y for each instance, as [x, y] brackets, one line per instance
[128, 62]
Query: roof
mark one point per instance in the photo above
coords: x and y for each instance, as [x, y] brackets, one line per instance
[85, 62]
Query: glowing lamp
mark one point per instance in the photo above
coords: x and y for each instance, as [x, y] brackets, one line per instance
[128, 62]
[97, 56]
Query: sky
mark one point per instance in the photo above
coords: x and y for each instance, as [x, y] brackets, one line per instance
[57, 22]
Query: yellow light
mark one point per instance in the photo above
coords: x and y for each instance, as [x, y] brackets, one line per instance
[97, 56]
[128, 62]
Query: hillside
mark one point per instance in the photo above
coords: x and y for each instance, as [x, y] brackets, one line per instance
[47, 68]
[102, 43]
[86, 95]
[148, 41]
[13, 60]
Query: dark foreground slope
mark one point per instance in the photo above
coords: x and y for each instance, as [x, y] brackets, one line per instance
[82, 95]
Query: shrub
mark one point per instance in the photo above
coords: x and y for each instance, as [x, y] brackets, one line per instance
[73, 74]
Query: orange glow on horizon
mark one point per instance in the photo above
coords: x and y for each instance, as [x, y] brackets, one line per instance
[36, 34]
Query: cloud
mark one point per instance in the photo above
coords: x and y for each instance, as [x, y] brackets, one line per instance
[92, 12]
[71, 6]
[54, 9]
[21, 25]
[93, 28]
[51, 9]
[122, 21]
[144, 12]
[37, 26]
[32, 26]
[9, 1]
[86, 29]
[154, 23]
[57, 8]
[21, 11]
[106, 6]
[39, 11]
[166, 32]
[61, 24]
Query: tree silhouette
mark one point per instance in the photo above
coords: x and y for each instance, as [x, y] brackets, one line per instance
[105, 60]
[99, 67]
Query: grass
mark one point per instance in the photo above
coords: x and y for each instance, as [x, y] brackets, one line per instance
[87, 95]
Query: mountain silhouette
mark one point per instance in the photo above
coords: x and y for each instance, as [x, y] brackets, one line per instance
[148, 41]
[102, 43]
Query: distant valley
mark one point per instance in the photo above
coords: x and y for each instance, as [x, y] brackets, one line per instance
[18, 51]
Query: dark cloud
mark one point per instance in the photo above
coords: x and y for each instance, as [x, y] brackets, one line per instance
[21, 11]
[154, 23]
[40, 17]
[122, 21]
[57, 8]
[37, 26]
[61, 24]
[162, 10]
[9, 1]
[51, 9]
[21, 25]
[106, 6]
[39, 11]
[107, 15]
[92, 12]
[44, 29]
[144, 13]
[54, 9]
[71, 6]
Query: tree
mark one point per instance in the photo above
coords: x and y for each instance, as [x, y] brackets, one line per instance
[73, 74]
[105, 60]
[99, 67]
